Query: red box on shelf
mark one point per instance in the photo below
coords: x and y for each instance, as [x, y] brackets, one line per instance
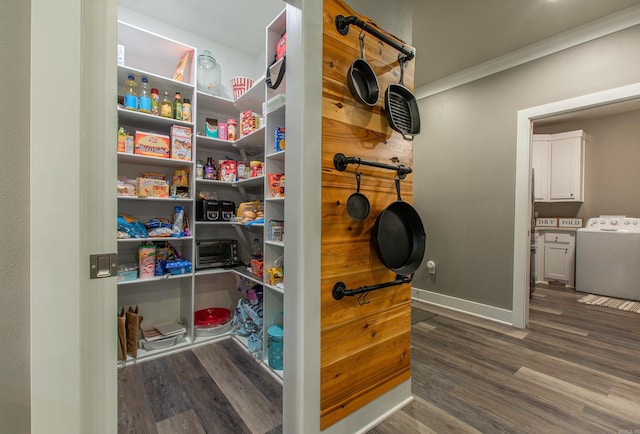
[257, 267]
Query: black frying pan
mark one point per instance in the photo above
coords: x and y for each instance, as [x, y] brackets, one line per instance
[362, 81]
[358, 205]
[401, 107]
[399, 237]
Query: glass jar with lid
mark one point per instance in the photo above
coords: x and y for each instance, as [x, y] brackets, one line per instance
[208, 77]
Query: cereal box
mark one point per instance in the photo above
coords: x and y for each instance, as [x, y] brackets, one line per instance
[180, 143]
[279, 139]
[148, 187]
[151, 144]
[247, 122]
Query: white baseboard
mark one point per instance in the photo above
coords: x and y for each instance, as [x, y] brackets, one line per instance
[497, 314]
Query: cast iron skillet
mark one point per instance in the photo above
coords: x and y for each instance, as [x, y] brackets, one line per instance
[401, 107]
[358, 205]
[362, 81]
[399, 237]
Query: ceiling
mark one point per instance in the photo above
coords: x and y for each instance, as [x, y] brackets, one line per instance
[449, 35]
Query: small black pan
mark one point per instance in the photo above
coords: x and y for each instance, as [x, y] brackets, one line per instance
[362, 81]
[401, 107]
[358, 205]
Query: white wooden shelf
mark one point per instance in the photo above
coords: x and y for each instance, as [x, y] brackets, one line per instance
[155, 199]
[164, 277]
[141, 240]
[145, 160]
[252, 99]
[148, 122]
[152, 354]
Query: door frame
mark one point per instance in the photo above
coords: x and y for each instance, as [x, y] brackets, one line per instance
[523, 206]
[72, 203]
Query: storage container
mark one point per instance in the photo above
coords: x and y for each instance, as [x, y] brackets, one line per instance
[276, 346]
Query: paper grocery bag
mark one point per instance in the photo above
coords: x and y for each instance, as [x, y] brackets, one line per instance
[122, 335]
[133, 321]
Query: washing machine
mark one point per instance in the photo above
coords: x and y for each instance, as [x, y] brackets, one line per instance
[608, 257]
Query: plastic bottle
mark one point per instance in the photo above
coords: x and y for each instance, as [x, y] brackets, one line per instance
[186, 110]
[166, 109]
[155, 102]
[199, 170]
[131, 93]
[145, 96]
[177, 107]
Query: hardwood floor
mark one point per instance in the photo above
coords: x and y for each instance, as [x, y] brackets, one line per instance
[574, 370]
[216, 388]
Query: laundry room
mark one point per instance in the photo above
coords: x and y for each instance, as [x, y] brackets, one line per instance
[600, 171]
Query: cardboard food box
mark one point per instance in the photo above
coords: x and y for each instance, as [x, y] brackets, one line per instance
[279, 139]
[149, 187]
[248, 123]
[152, 145]
[180, 143]
[273, 276]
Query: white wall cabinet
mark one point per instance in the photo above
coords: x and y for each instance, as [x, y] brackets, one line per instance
[178, 297]
[558, 164]
[559, 257]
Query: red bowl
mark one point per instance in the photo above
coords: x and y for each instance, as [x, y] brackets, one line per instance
[212, 316]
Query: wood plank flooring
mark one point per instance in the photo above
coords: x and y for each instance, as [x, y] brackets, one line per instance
[216, 388]
[574, 370]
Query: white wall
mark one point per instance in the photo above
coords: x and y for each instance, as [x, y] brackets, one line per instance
[233, 63]
[14, 215]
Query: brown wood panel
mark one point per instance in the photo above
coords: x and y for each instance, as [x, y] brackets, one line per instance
[342, 312]
[328, 418]
[365, 341]
[355, 372]
[364, 332]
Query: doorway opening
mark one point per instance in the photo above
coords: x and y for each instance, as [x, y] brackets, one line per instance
[610, 99]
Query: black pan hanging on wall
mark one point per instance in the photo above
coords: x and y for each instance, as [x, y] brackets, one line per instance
[401, 107]
[362, 80]
[399, 237]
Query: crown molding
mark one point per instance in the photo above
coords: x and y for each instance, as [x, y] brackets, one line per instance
[615, 22]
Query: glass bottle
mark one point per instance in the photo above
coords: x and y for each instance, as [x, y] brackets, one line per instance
[186, 110]
[145, 96]
[177, 107]
[208, 77]
[155, 102]
[209, 169]
[131, 93]
[199, 170]
[256, 248]
[166, 109]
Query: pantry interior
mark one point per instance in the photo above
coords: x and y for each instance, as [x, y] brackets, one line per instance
[208, 229]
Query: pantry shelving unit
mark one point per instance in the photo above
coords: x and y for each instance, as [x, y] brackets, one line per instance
[178, 297]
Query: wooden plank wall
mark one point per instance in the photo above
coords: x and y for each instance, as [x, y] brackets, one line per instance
[365, 348]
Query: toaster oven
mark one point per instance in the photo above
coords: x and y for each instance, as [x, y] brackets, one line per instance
[217, 253]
